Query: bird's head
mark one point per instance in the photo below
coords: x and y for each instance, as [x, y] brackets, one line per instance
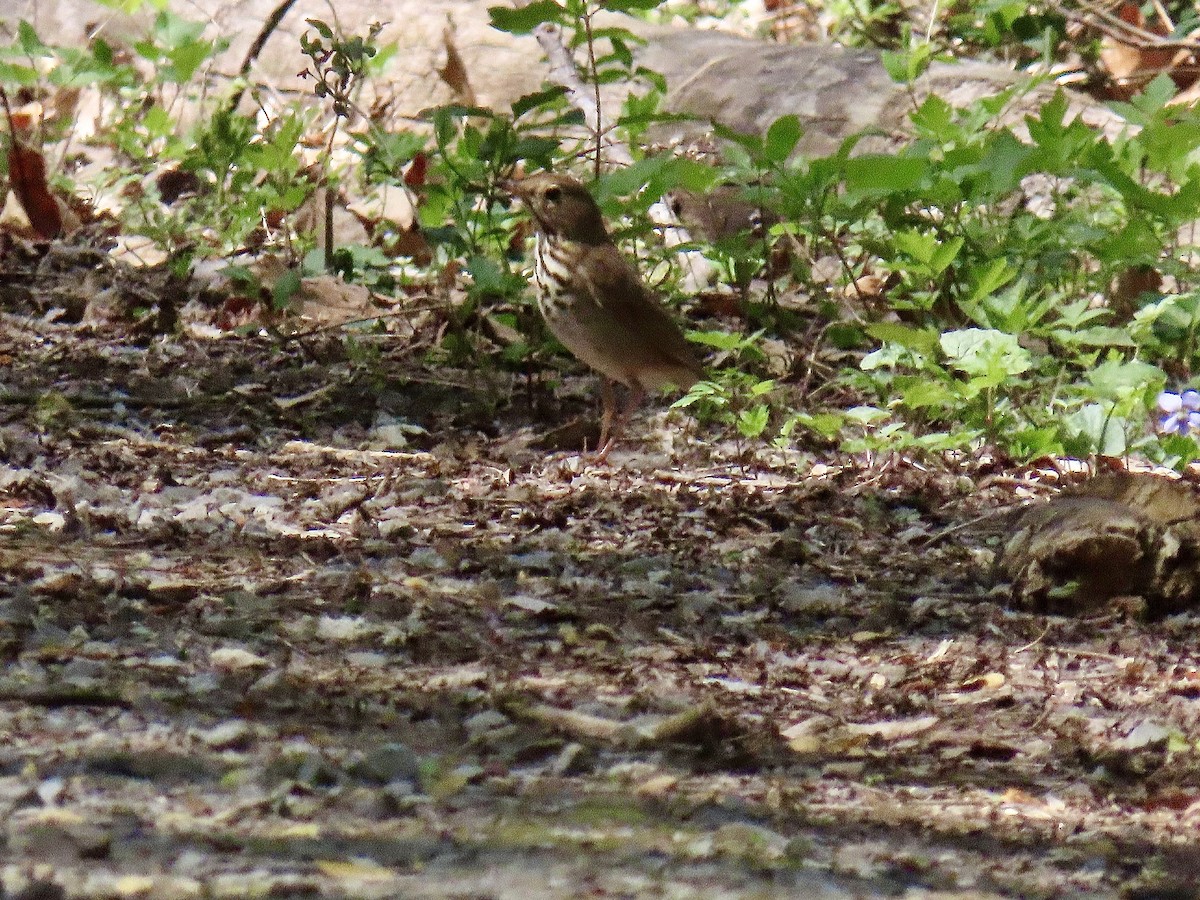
[561, 206]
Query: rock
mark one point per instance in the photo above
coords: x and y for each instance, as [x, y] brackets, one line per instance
[236, 734]
[1122, 535]
[388, 764]
[486, 720]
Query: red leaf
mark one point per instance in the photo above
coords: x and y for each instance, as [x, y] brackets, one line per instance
[27, 173]
[415, 176]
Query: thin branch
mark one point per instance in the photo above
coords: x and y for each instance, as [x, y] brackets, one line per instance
[256, 47]
[595, 73]
[564, 73]
[1118, 29]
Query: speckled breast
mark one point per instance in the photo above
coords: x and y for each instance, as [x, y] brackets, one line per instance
[552, 275]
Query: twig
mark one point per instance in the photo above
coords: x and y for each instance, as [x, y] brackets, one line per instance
[676, 728]
[581, 726]
[1118, 29]
[1037, 640]
[54, 698]
[1163, 15]
[959, 526]
[256, 47]
[321, 329]
[12, 129]
[564, 73]
[594, 72]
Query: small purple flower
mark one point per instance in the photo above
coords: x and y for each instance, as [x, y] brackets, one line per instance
[1180, 412]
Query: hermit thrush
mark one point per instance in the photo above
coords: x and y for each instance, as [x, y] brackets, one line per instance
[720, 213]
[594, 302]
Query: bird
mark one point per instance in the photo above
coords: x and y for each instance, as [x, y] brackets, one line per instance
[720, 213]
[594, 301]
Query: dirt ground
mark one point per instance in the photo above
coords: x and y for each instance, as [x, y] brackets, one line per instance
[279, 620]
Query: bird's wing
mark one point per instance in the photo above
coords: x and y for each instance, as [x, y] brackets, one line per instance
[618, 290]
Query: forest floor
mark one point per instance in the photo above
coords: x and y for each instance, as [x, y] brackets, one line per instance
[252, 649]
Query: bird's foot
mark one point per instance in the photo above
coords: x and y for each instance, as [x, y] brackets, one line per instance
[601, 456]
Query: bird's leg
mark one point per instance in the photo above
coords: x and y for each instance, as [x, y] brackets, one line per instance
[608, 400]
[636, 395]
[615, 425]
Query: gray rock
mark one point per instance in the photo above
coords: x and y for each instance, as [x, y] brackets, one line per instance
[388, 764]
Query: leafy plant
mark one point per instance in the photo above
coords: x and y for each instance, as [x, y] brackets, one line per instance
[735, 397]
[993, 252]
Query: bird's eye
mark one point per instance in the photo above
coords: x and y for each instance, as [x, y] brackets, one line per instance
[553, 194]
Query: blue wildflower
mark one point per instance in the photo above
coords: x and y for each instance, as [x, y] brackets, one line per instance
[1180, 412]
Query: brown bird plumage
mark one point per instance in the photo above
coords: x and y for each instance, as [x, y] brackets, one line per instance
[594, 302]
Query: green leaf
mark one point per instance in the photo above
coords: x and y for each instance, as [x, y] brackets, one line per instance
[865, 415]
[721, 340]
[996, 274]
[129, 7]
[1180, 451]
[321, 28]
[14, 74]
[1032, 443]
[1005, 162]
[29, 42]
[1098, 336]
[175, 31]
[657, 175]
[916, 245]
[285, 288]
[540, 150]
[782, 137]
[485, 273]
[943, 442]
[1048, 130]
[752, 422]
[1137, 241]
[537, 99]
[889, 356]
[827, 425]
[458, 111]
[1101, 432]
[904, 66]
[916, 339]
[844, 335]
[934, 118]
[879, 173]
[627, 5]
[622, 52]
[524, 19]
[624, 35]
[919, 393]
[896, 65]
[102, 53]
[750, 142]
[986, 353]
[186, 59]
[945, 254]
[1119, 381]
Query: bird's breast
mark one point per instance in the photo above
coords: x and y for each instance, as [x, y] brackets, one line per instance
[552, 274]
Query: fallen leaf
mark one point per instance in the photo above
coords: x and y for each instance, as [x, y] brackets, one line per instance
[232, 659]
[27, 174]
